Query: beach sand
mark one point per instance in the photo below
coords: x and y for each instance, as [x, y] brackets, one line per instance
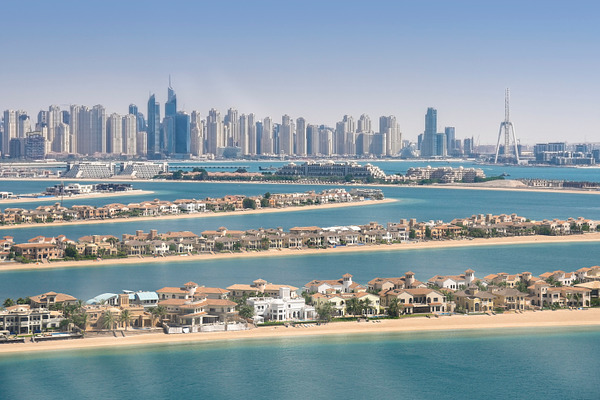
[529, 319]
[434, 244]
[204, 215]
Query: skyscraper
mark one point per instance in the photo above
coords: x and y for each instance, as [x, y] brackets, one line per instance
[232, 122]
[286, 136]
[9, 130]
[300, 136]
[252, 135]
[114, 134]
[153, 132]
[214, 132]
[428, 146]
[450, 137]
[182, 133]
[168, 142]
[98, 122]
[129, 130]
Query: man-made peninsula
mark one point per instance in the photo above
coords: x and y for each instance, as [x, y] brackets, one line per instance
[483, 229]
[187, 208]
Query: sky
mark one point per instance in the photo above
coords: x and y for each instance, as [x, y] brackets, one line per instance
[316, 59]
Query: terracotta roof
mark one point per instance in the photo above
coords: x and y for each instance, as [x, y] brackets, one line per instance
[171, 290]
[60, 297]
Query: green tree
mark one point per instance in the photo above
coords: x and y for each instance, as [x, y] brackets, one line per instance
[158, 313]
[307, 297]
[348, 178]
[125, 318]
[395, 308]
[353, 306]
[71, 252]
[428, 232]
[108, 320]
[176, 175]
[246, 311]
[412, 234]
[522, 287]
[267, 195]
[80, 319]
[219, 246]
[325, 312]
[9, 302]
[249, 203]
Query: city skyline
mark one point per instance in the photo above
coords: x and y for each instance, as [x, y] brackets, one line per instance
[321, 62]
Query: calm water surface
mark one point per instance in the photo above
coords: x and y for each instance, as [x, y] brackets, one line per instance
[507, 364]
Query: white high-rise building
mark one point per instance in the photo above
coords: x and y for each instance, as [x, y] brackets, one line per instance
[286, 136]
[141, 143]
[325, 141]
[266, 140]
[196, 134]
[114, 134]
[232, 122]
[393, 138]
[54, 119]
[9, 129]
[301, 136]
[214, 132]
[364, 124]
[243, 123]
[252, 134]
[129, 131]
[62, 138]
[98, 131]
[23, 124]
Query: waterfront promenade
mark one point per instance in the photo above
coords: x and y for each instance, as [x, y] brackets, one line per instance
[529, 319]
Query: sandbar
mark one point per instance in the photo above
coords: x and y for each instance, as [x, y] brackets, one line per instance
[458, 322]
[286, 252]
[203, 215]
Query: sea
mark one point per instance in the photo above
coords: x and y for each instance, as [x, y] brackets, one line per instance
[497, 364]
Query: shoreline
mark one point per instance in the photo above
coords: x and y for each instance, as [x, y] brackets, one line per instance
[203, 215]
[434, 244]
[458, 322]
[74, 197]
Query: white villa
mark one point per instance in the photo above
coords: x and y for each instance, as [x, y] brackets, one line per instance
[281, 308]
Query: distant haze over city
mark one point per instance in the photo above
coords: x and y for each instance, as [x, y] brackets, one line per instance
[319, 61]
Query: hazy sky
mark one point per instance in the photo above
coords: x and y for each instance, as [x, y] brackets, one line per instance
[316, 59]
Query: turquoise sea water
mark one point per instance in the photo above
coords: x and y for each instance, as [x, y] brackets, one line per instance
[507, 364]
[87, 282]
[421, 203]
[502, 364]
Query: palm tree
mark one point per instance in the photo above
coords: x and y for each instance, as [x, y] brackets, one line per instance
[395, 307]
[125, 318]
[159, 313]
[365, 306]
[353, 306]
[108, 320]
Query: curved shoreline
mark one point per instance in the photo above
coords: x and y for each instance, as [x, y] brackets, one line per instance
[528, 319]
[203, 215]
[434, 244]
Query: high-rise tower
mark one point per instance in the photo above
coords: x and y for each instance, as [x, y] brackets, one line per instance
[509, 130]
[153, 134]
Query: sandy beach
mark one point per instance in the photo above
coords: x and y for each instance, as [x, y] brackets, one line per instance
[203, 215]
[47, 199]
[434, 244]
[529, 319]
